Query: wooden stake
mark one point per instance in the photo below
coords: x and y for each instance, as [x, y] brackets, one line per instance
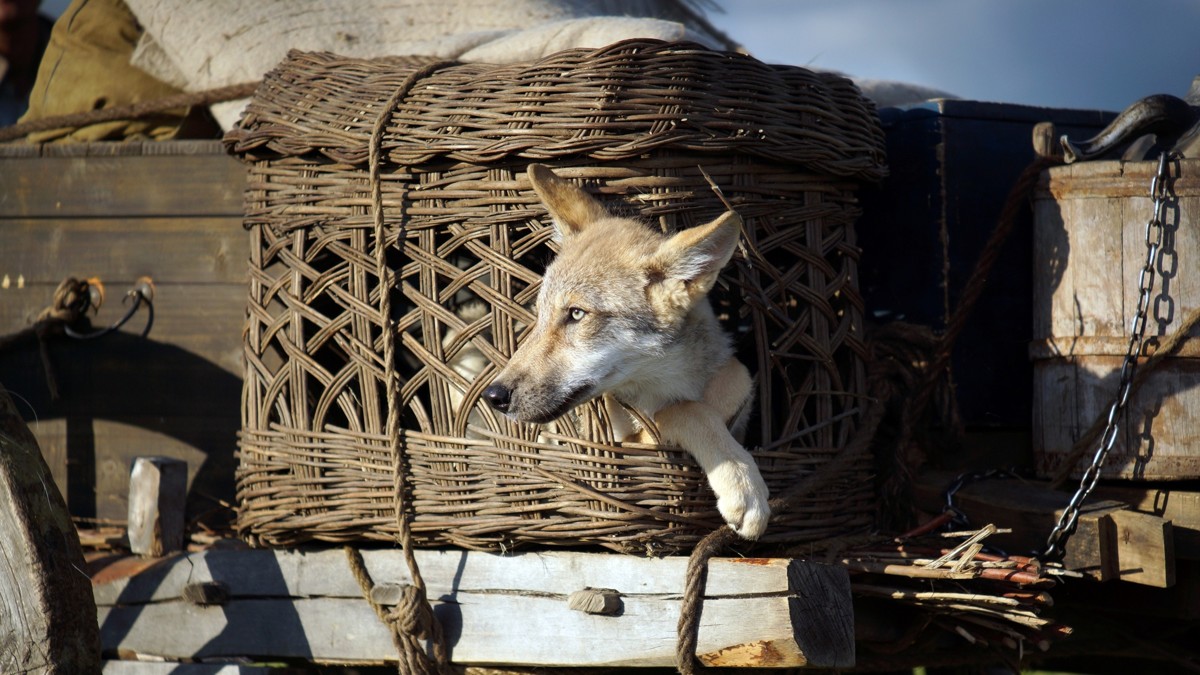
[157, 496]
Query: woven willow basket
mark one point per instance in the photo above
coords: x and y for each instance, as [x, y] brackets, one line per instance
[464, 242]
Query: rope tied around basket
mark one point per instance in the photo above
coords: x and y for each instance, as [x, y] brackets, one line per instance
[414, 616]
[409, 621]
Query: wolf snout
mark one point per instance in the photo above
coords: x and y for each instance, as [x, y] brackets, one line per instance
[498, 396]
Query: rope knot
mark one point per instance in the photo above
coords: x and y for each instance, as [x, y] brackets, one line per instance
[72, 299]
[412, 615]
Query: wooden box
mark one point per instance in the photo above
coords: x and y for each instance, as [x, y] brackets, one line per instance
[119, 211]
[952, 164]
[1090, 245]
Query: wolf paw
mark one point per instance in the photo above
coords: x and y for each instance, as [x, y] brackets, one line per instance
[741, 498]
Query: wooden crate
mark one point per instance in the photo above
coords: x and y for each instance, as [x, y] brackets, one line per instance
[952, 164]
[1090, 245]
[118, 211]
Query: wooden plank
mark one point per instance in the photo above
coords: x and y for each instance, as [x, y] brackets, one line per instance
[157, 491]
[169, 250]
[1097, 304]
[1056, 405]
[174, 148]
[47, 623]
[495, 609]
[56, 187]
[126, 148]
[1181, 507]
[1052, 287]
[119, 396]
[1091, 549]
[206, 444]
[19, 151]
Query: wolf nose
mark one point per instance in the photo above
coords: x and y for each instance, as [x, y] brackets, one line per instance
[498, 396]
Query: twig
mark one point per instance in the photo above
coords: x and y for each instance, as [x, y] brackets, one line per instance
[979, 536]
[901, 594]
[904, 570]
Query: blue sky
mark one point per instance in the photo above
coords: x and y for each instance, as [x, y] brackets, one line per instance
[1060, 53]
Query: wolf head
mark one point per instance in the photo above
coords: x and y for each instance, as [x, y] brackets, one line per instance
[611, 304]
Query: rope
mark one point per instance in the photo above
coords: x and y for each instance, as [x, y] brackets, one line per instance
[688, 628]
[71, 301]
[882, 391]
[413, 658]
[127, 112]
[411, 619]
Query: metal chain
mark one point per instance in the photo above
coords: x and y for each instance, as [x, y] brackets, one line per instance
[960, 520]
[1056, 542]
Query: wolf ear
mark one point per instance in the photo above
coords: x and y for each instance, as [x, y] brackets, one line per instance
[691, 260]
[571, 208]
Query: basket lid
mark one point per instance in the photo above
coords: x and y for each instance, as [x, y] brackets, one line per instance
[605, 104]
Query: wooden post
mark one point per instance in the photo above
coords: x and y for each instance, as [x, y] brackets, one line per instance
[157, 496]
[47, 614]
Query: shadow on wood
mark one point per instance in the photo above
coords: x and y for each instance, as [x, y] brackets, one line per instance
[207, 628]
[122, 396]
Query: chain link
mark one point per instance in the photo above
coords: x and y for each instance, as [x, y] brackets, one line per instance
[1056, 542]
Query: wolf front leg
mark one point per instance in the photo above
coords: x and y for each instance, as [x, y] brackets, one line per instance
[700, 429]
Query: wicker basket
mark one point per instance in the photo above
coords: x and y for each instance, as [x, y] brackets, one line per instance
[467, 240]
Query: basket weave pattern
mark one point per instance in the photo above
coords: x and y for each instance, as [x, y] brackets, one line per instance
[468, 239]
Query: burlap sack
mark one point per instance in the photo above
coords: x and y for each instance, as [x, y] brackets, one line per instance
[86, 67]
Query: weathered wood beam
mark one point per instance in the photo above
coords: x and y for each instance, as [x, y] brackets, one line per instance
[46, 614]
[500, 610]
[66, 186]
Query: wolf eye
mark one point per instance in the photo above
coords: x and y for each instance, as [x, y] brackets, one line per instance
[576, 314]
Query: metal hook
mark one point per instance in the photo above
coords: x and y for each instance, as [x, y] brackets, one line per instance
[1164, 115]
